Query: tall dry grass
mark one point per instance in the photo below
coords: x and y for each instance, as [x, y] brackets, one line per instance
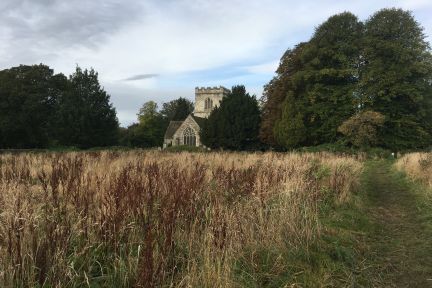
[417, 166]
[154, 219]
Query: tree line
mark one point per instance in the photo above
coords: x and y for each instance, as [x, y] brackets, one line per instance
[355, 84]
[234, 125]
[152, 123]
[40, 109]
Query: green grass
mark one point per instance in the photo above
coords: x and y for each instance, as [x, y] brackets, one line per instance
[335, 260]
[401, 245]
[381, 238]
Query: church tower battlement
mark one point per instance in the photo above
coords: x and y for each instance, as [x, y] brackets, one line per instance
[207, 98]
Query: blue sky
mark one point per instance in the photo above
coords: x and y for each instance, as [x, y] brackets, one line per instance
[161, 49]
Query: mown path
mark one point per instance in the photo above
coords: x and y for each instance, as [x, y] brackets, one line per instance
[400, 241]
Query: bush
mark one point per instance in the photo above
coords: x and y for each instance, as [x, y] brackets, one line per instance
[185, 148]
[338, 147]
[377, 152]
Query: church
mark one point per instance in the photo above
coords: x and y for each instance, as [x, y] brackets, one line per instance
[187, 132]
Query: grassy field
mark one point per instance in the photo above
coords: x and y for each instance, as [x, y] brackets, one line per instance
[154, 219]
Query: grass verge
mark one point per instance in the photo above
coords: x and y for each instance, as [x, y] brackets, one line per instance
[381, 238]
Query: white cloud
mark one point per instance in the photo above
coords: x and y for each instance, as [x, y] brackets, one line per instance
[414, 4]
[264, 68]
[171, 38]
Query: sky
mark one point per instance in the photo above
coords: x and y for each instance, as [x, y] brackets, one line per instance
[162, 49]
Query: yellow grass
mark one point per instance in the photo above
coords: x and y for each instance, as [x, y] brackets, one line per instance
[151, 219]
[418, 166]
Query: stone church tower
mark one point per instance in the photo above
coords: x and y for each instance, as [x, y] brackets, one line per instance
[206, 99]
[186, 133]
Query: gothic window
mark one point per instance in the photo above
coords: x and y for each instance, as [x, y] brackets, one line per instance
[208, 104]
[189, 137]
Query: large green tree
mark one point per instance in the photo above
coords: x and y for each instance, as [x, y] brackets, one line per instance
[28, 100]
[397, 77]
[289, 104]
[176, 110]
[235, 124]
[275, 92]
[332, 72]
[85, 116]
[321, 92]
[347, 68]
[149, 130]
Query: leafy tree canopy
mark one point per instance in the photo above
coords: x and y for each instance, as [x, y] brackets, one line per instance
[320, 85]
[85, 116]
[396, 79]
[147, 112]
[275, 92]
[177, 110]
[28, 100]
[149, 130]
[347, 67]
[234, 124]
[361, 130]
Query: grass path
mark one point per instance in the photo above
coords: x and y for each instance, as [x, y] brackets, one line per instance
[400, 240]
[382, 238]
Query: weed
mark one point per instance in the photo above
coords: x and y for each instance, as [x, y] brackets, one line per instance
[155, 219]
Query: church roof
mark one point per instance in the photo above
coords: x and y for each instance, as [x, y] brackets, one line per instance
[175, 125]
[172, 128]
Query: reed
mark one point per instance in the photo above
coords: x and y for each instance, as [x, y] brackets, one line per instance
[155, 219]
[417, 166]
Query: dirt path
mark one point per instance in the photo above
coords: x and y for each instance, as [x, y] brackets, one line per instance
[401, 245]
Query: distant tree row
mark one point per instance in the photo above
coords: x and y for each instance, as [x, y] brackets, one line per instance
[354, 83]
[152, 123]
[360, 84]
[40, 109]
[234, 125]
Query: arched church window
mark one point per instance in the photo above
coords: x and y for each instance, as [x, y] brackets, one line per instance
[208, 104]
[189, 137]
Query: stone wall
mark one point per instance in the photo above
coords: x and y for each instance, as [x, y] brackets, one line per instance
[201, 94]
[178, 135]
